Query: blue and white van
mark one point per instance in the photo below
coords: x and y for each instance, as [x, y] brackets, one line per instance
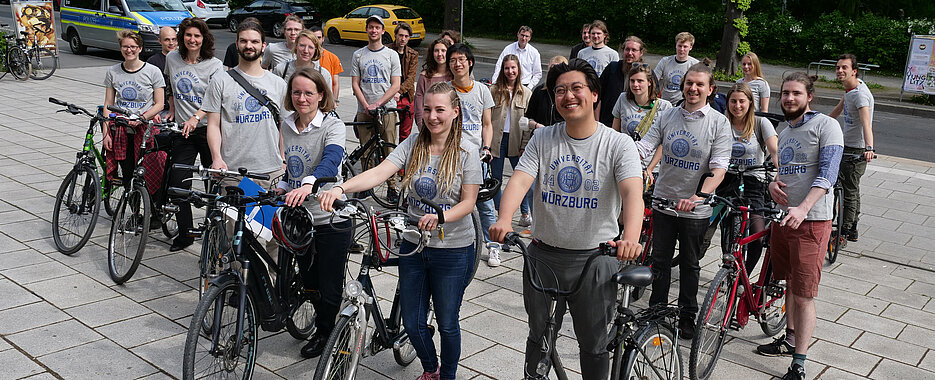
[96, 22]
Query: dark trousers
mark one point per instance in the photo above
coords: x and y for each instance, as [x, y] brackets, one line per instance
[184, 151]
[322, 269]
[849, 177]
[689, 233]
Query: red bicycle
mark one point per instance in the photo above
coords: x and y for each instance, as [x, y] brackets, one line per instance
[732, 298]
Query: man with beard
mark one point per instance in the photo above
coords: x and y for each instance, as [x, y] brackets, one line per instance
[585, 41]
[614, 78]
[694, 139]
[809, 155]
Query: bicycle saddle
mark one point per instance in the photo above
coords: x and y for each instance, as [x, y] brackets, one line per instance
[634, 275]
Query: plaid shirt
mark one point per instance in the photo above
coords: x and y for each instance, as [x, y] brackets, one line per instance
[154, 163]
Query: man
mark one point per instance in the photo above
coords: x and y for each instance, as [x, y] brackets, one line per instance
[694, 139]
[168, 38]
[857, 107]
[585, 41]
[614, 78]
[375, 78]
[809, 155]
[231, 57]
[409, 61]
[282, 51]
[671, 69]
[541, 110]
[585, 172]
[528, 55]
[330, 62]
[599, 55]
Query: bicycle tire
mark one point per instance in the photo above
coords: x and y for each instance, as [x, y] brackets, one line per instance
[86, 206]
[43, 63]
[301, 321]
[835, 241]
[224, 364]
[211, 254]
[128, 234]
[341, 352]
[667, 359]
[478, 243]
[17, 63]
[710, 325]
[774, 315]
[170, 225]
[379, 192]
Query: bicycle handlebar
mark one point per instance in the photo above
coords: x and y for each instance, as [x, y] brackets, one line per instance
[742, 169]
[203, 171]
[71, 108]
[513, 239]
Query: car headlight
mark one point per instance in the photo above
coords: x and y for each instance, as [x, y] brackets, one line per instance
[353, 289]
[149, 28]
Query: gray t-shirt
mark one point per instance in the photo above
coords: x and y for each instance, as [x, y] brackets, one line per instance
[854, 100]
[285, 70]
[425, 184]
[576, 199]
[249, 135]
[669, 71]
[752, 151]
[599, 58]
[631, 115]
[189, 83]
[689, 146]
[760, 89]
[303, 151]
[799, 150]
[134, 90]
[473, 104]
[376, 70]
[276, 53]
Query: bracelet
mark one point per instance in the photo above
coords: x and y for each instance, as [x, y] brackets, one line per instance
[342, 189]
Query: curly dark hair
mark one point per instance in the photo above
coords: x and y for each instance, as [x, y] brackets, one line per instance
[207, 44]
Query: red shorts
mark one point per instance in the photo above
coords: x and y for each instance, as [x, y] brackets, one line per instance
[798, 255]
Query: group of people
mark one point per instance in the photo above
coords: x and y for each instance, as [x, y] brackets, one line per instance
[579, 162]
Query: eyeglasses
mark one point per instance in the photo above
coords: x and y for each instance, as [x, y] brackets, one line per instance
[308, 94]
[461, 60]
[134, 47]
[576, 88]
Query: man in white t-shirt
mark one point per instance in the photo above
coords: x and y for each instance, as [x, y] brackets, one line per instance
[528, 55]
[279, 52]
[670, 69]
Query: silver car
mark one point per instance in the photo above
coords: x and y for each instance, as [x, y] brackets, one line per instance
[212, 11]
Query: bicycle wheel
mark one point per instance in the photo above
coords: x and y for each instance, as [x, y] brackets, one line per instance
[112, 194]
[774, 300]
[43, 63]
[77, 205]
[339, 360]
[658, 355]
[170, 225]
[224, 361]
[128, 234]
[17, 63]
[348, 171]
[710, 329]
[211, 254]
[478, 243]
[301, 321]
[385, 195]
[836, 241]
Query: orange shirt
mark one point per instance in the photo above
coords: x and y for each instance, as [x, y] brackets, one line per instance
[330, 62]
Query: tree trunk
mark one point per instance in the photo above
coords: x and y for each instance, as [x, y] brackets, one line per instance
[727, 60]
[453, 15]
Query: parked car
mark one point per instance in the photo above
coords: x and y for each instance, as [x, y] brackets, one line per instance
[272, 13]
[352, 26]
[212, 11]
[93, 23]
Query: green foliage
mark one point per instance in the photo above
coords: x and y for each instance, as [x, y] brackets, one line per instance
[743, 48]
[928, 100]
[834, 83]
[742, 27]
[723, 76]
[743, 5]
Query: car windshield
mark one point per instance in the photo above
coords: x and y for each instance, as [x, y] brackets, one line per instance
[405, 14]
[155, 5]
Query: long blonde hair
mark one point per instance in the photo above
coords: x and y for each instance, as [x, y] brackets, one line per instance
[449, 164]
[749, 120]
[500, 90]
[757, 70]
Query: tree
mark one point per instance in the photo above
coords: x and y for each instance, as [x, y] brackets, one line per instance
[735, 27]
[453, 15]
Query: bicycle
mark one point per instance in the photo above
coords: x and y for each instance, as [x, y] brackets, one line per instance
[350, 341]
[732, 299]
[222, 336]
[643, 344]
[370, 154]
[42, 61]
[13, 59]
[837, 240]
[651, 202]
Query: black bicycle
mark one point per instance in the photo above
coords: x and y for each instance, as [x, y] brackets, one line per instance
[371, 153]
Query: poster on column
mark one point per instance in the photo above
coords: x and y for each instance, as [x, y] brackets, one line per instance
[920, 69]
[37, 19]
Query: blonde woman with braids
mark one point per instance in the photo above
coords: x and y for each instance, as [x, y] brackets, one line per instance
[441, 168]
[753, 77]
[307, 51]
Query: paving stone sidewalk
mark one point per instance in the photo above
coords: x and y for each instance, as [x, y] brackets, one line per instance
[62, 317]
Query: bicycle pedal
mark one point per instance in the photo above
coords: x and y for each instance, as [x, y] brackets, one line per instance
[195, 233]
[734, 325]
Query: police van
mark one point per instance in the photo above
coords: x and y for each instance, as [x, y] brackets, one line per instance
[96, 22]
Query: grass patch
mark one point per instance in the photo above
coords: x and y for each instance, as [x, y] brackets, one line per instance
[927, 100]
[834, 83]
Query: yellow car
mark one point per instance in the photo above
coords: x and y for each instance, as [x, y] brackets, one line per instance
[352, 26]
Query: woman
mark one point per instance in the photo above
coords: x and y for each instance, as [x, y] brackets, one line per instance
[510, 98]
[307, 51]
[433, 71]
[139, 88]
[753, 77]
[639, 101]
[313, 145]
[190, 69]
[439, 167]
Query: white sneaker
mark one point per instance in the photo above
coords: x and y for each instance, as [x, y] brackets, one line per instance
[525, 220]
[493, 254]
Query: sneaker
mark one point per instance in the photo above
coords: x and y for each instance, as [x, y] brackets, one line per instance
[392, 195]
[429, 375]
[778, 347]
[686, 328]
[851, 235]
[525, 220]
[795, 372]
[493, 254]
[356, 248]
[527, 233]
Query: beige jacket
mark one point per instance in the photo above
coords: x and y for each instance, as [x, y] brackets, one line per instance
[518, 138]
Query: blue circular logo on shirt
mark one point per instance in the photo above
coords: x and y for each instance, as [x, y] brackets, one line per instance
[296, 167]
[252, 104]
[674, 82]
[680, 147]
[373, 71]
[631, 126]
[738, 150]
[786, 155]
[569, 179]
[128, 93]
[184, 85]
[425, 188]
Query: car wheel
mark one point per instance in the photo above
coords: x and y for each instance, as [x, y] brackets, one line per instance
[277, 29]
[232, 24]
[334, 36]
[74, 43]
[387, 39]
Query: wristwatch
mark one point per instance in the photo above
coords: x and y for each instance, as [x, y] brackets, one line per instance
[870, 148]
[485, 147]
[196, 117]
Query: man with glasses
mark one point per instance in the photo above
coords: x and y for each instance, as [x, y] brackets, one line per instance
[614, 78]
[282, 51]
[528, 55]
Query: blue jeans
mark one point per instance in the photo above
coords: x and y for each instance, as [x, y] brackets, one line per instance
[488, 214]
[496, 171]
[442, 274]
